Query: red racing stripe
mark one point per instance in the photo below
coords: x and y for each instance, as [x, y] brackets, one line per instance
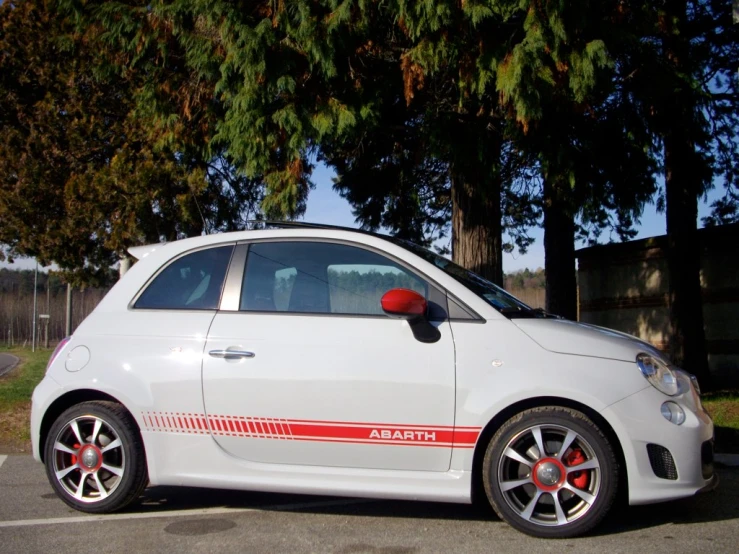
[306, 430]
[319, 430]
[465, 437]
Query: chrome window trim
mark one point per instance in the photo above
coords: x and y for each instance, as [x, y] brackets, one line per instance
[231, 295]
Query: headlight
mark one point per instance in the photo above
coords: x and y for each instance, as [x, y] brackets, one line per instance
[694, 380]
[658, 374]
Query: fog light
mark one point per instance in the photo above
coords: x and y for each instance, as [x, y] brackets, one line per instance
[673, 413]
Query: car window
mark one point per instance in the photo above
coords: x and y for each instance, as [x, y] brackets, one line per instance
[358, 288]
[192, 282]
[283, 286]
[498, 298]
[313, 277]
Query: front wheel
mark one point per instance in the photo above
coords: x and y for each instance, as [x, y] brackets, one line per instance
[550, 472]
[95, 457]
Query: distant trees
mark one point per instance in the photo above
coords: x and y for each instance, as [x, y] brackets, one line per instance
[16, 306]
[20, 281]
[525, 279]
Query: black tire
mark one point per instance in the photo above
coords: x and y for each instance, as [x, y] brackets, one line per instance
[567, 502]
[104, 435]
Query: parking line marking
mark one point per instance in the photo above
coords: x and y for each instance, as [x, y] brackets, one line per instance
[182, 513]
[2, 459]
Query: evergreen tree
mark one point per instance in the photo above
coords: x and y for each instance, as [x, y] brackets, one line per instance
[562, 81]
[83, 172]
[494, 92]
[290, 78]
[435, 109]
[689, 56]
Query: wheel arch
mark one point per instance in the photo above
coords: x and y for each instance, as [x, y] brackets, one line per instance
[478, 491]
[66, 401]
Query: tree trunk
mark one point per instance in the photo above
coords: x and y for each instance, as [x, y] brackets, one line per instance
[683, 185]
[688, 340]
[476, 223]
[559, 252]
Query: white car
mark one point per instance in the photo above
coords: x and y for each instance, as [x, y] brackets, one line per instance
[321, 360]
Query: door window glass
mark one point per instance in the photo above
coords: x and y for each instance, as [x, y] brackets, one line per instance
[312, 277]
[283, 287]
[192, 282]
[358, 288]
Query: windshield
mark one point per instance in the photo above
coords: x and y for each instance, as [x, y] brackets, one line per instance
[498, 298]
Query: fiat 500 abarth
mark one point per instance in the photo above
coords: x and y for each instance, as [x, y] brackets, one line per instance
[326, 361]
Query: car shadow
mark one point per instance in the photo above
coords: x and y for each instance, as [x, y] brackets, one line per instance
[714, 506]
[718, 505]
[728, 438]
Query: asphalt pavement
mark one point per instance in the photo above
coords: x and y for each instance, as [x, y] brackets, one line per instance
[168, 519]
[7, 363]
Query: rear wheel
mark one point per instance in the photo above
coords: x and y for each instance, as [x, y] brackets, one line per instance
[550, 472]
[95, 457]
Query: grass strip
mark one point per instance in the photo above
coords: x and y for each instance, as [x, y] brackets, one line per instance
[16, 389]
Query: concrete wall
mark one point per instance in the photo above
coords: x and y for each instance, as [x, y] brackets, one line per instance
[624, 287]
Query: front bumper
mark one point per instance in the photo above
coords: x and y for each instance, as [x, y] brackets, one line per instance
[711, 486]
[638, 423]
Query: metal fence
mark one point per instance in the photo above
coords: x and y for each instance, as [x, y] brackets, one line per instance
[16, 315]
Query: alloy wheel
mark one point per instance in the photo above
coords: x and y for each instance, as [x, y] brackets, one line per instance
[88, 459]
[549, 475]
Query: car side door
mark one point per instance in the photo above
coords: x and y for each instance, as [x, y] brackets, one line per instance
[318, 374]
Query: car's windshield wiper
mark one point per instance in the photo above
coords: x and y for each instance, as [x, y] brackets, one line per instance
[513, 312]
[541, 312]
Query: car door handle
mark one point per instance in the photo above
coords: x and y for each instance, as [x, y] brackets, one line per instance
[231, 354]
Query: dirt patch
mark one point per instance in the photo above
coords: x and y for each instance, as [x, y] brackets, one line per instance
[15, 429]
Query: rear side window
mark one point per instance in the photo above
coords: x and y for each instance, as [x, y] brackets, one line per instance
[192, 282]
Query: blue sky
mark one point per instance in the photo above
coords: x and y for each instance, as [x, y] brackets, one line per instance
[326, 206]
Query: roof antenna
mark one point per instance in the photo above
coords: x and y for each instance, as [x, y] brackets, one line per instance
[197, 205]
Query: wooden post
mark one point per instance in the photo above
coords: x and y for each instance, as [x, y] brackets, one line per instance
[68, 326]
[48, 308]
[35, 309]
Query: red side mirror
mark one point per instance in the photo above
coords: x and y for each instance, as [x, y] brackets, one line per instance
[403, 303]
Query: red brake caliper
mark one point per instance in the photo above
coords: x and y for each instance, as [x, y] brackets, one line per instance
[74, 458]
[577, 479]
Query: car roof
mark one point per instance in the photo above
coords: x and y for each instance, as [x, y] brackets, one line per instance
[152, 257]
[267, 228]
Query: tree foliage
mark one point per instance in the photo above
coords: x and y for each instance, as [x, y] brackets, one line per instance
[482, 117]
[691, 51]
[84, 171]
[404, 99]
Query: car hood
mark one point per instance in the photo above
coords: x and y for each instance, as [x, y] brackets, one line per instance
[582, 339]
